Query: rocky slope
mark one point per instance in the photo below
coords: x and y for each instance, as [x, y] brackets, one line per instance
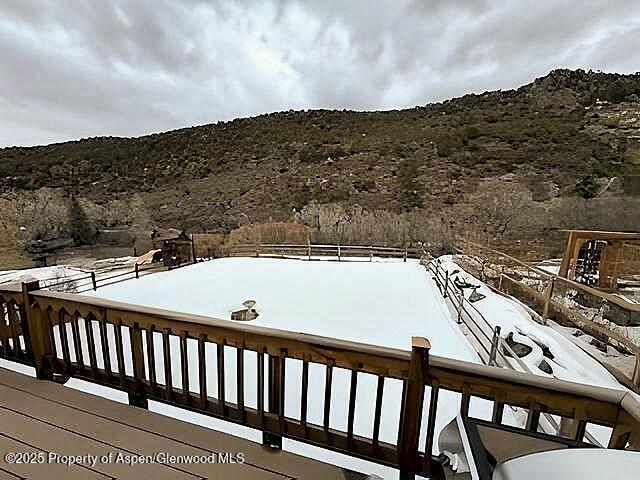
[568, 134]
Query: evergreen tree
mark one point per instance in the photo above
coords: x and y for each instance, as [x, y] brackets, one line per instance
[80, 228]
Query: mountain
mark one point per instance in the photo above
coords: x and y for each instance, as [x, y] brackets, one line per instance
[569, 134]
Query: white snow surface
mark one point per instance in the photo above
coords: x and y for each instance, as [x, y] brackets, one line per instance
[379, 302]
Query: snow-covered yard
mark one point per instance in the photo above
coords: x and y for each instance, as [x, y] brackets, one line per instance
[383, 302]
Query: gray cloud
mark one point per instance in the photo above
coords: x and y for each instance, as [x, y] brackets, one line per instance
[73, 68]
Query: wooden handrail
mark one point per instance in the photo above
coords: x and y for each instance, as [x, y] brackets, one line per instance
[51, 315]
[615, 299]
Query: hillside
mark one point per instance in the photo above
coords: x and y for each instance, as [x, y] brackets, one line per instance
[568, 135]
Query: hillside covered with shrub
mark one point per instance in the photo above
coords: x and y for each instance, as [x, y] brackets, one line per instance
[562, 151]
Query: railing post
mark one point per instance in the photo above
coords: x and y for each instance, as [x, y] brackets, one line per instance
[636, 371]
[405, 253]
[446, 284]
[137, 396]
[370, 254]
[39, 333]
[412, 408]
[93, 280]
[338, 252]
[501, 277]
[270, 439]
[309, 251]
[494, 345]
[547, 299]
[137, 271]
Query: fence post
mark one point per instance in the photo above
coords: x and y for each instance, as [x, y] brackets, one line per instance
[93, 280]
[338, 252]
[274, 378]
[461, 299]
[547, 299]
[412, 408]
[494, 345]
[137, 396]
[636, 371]
[501, 277]
[137, 271]
[405, 253]
[39, 333]
[370, 254]
[309, 251]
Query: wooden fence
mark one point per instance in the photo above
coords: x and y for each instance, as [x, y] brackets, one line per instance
[123, 346]
[313, 251]
[547, 293]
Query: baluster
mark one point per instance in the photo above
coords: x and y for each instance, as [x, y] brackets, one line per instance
[464, 404]
[281, 391]
[137, 395]
[64, 341]
[431, 424]
[4, 340]
[498, 411]
[184, 361]
[11, 312]
[378, 410]
[117, 328]
[104, 342]
[327, 396]
[22, 315]
[220, 366]
[166, 347]
[151, 356]
[261, 387]
[270, 439]
[77, 346]
[581, 429]
[304, 395]
[240, 381]
[88, 330]
[533, 419]
[202, 370]
[352, 406]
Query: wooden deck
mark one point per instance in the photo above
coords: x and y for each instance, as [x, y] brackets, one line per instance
[44, 418]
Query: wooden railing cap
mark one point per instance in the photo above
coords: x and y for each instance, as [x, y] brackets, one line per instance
[420, 342]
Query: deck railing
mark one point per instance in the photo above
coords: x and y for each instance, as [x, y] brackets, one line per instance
[547, 294]
[135, 349]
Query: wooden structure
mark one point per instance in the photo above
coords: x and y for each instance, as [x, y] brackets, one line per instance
[177, 249]
[590, 253]
[111, 343]
[44, 422]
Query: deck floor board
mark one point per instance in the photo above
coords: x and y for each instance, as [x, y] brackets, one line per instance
[41, 416]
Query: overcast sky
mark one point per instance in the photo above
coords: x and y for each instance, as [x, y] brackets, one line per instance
[72, 69]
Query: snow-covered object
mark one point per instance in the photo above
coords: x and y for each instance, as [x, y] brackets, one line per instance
[582, 463]
[569, 362]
